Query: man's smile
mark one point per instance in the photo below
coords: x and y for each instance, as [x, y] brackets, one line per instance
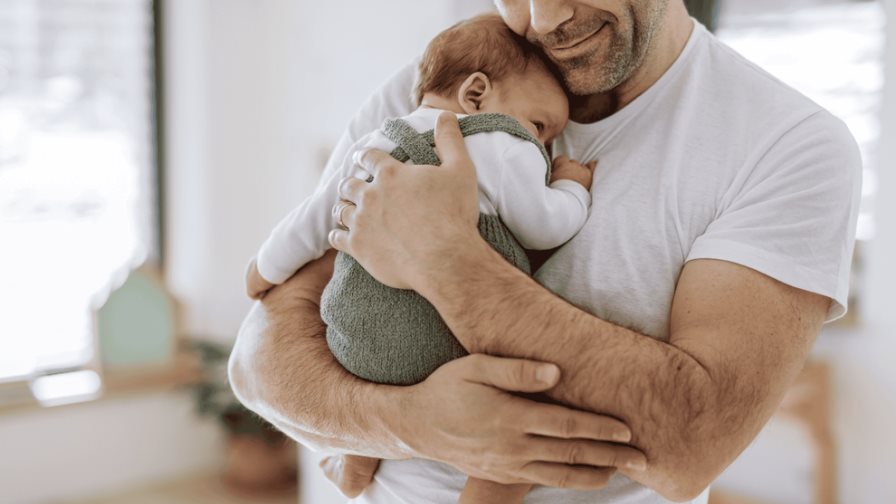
[575, 48]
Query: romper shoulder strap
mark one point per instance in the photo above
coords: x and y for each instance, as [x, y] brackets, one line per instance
[418, 147]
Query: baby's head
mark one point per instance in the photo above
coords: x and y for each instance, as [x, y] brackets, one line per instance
[480, 65]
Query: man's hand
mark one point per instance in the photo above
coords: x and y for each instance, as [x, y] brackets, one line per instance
[444, 202]
[564, 168]
[463, 414]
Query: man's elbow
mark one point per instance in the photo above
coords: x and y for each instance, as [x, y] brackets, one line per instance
[690, 447]
[674, 483]
[685, 489]
[243, 380]
[239, 379]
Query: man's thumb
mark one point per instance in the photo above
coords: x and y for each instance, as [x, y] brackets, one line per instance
[514, 375]
[450, 142]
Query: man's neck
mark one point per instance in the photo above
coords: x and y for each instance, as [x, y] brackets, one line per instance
[664, 49]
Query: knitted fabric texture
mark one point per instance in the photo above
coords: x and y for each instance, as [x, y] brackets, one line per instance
[396, 336]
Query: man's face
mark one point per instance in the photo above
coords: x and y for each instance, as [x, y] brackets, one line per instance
[596, 44]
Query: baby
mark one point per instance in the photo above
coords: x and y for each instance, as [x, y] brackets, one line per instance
[510, 105]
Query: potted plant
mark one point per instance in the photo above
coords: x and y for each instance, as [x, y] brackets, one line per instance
[260, 459]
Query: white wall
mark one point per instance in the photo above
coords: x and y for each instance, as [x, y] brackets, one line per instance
[258, 92]
[882, 268]
[78, 451]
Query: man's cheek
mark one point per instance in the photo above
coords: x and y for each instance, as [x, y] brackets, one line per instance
[515, 14]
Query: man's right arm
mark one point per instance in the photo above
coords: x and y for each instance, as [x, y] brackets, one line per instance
[282, 369]
[464, 414]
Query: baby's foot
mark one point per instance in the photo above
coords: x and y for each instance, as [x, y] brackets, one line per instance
[350, 473]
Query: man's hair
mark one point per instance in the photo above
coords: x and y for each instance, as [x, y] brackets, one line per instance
[480, 44]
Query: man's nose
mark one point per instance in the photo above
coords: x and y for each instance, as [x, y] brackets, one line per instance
[546, 15]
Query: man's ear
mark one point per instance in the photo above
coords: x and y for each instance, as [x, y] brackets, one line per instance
[473, 92]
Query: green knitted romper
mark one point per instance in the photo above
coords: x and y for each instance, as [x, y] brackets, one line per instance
[396, 336]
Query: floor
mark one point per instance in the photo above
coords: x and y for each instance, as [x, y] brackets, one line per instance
[198, 490]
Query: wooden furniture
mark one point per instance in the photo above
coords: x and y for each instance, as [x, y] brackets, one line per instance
[808, 402]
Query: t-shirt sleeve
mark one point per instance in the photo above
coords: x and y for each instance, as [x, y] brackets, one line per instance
[301, 236]
[793, 217]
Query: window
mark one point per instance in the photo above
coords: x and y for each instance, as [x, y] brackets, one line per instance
[77, 172]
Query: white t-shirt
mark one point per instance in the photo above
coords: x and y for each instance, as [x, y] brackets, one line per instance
[511, 184]
[719, 160]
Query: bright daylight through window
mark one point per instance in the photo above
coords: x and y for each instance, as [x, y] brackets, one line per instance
[76, 171]
[832, 51]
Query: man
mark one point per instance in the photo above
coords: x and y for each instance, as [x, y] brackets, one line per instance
[719, 242]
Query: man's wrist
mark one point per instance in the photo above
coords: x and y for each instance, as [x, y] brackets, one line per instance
[443, 271]
[459, 272]
[385, 410]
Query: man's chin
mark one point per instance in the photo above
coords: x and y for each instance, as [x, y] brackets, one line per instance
[585, 83]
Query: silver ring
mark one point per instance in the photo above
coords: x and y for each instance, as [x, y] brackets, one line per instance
[338, 210]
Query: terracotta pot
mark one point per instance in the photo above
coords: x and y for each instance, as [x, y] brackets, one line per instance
[258, 466]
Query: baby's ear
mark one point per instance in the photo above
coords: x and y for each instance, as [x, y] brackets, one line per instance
[473, 92]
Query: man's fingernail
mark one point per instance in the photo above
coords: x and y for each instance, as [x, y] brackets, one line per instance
[636, 465]
[446, 117]
[546, 374]
[623, 436]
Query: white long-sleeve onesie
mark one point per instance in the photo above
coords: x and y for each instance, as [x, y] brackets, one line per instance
[511, 178]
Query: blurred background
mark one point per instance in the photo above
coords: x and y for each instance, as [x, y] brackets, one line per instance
[148, 147]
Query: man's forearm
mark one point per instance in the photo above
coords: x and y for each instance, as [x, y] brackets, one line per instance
[282, 369]
[659, 390]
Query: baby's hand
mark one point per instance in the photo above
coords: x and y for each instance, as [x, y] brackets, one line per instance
[568, 169]
[256, 285]
[352, 474]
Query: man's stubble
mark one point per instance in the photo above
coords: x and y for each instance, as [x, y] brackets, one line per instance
[606, 68]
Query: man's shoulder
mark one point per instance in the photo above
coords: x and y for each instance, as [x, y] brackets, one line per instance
[730, 81]
[748, 110]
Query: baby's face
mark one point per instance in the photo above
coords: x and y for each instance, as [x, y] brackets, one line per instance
[535, 99]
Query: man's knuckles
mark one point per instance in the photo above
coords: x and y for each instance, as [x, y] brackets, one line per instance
[569, 426]
[575, 454]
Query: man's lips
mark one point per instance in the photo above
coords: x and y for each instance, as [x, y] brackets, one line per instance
[568, 48]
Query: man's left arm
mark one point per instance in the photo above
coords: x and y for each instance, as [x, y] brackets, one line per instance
[737, 339]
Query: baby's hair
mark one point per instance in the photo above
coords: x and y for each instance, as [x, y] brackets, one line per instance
[479, 44]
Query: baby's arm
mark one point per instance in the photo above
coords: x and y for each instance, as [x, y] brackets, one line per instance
[301, 236]
[542, 217]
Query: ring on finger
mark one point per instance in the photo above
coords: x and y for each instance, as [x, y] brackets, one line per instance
[339, 210]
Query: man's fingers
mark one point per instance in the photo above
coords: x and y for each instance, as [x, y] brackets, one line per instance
[373, 160]
[515, 375]
[338, 239]
[567, 476]
[450, 144]
[586, 452]
[591, 165]
[344, 213]
[351, 189]
[561, 422]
